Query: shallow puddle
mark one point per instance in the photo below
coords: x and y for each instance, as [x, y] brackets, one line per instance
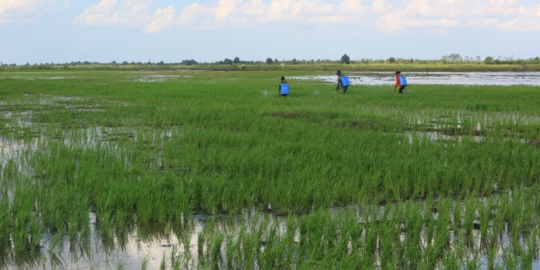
[436, 78]
[159, 78]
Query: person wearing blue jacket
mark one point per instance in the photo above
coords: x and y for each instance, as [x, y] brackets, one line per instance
[283, 90]
[340, 84]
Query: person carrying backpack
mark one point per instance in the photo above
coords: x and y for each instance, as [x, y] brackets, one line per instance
[343, 82]
[401, 82]
[283, 90]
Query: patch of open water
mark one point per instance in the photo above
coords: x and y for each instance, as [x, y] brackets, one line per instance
[436, 78]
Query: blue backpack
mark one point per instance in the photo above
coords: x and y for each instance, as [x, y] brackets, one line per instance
[345, 81]
[403, 80]
[284, 89]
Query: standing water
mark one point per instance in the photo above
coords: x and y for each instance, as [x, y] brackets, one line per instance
[431, 78]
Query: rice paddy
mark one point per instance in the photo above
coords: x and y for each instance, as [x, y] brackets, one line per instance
[211, 170]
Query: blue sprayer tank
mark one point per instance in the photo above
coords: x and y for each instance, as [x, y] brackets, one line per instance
[345, 81]
[403, 80]
[284, 89]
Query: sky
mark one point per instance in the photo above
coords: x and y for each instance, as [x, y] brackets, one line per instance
[44, 31]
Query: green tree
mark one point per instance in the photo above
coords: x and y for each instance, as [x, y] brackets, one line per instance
[345, 59]
[269, 61]
[236, 60]
[227, 61]
[392, 60]
[488, 60]
[452, 58]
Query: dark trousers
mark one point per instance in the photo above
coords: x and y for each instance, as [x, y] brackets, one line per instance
[401, 89]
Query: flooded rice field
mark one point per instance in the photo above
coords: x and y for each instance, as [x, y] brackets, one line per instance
[131, 173]
[437, 78]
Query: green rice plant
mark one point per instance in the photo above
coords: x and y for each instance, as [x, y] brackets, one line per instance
[145, 261]
[155, 159]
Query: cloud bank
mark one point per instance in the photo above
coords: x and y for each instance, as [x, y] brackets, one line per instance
[385, 15]
[389, 16]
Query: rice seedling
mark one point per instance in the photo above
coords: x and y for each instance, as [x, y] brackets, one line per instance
[444, 177]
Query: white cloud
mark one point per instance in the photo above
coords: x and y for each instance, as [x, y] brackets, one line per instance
[117, 12]
[225, 8]
[386, 15]
[162, 20]
[502, 14]
[21, 6]
[378, 6]
[527, 21]
[17, 10]
[255, 8]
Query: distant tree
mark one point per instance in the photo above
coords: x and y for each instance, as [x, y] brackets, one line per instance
[488, 60]
[294, 61]
[269, 61]
[276, 61]
[345, 59]
[189, 62]
[452, 58]
[392, 60]
[236, 60]
[227, 61]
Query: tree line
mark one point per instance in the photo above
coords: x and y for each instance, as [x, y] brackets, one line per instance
[345, 59]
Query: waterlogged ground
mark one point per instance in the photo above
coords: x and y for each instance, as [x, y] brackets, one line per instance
[131, 170]
[437, 78]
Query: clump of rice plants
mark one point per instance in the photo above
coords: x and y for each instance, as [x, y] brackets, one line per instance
[204, 171]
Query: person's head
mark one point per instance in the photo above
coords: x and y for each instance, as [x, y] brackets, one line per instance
[398, 73]
[282, 78]
[338, 73]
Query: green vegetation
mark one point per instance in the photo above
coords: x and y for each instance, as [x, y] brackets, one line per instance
[452, 62]
[444, 176]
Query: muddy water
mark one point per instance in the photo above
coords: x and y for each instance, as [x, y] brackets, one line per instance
[436, 78]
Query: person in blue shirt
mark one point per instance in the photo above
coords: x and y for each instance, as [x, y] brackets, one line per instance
[283, 90]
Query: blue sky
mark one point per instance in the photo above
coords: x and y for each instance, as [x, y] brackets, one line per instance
[39, 31]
